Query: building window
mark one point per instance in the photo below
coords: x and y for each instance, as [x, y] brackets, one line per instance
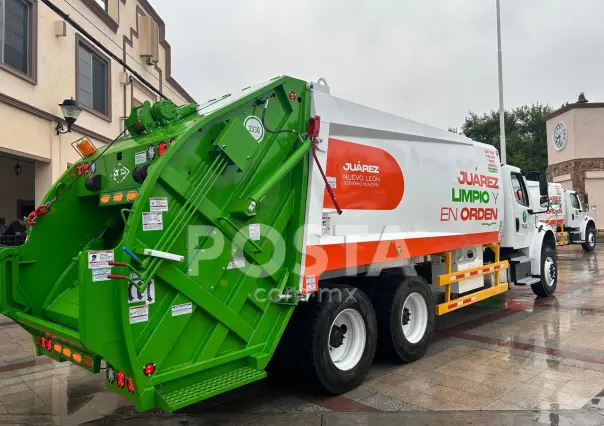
[93, 79]
[102, 3]
[15, 34]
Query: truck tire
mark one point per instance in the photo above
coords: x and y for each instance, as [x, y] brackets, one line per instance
[549, 273]
[590, 240]
[405, 315]
[336, 338]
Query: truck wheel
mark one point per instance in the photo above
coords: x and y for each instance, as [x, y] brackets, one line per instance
[590, 240]
[338, 341]
[405, 314]
[549, 273]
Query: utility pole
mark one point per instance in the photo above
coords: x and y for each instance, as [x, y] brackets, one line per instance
[500, 69]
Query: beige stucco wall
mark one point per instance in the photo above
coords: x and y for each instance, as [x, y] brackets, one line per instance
[585, 130]
[28, 110]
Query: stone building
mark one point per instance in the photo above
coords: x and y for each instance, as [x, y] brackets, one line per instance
[575, 150]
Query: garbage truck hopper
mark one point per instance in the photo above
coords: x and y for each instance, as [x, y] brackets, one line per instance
[147, 257]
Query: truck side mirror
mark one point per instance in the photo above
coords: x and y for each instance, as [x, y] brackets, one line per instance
[544, 201]
[543, 185]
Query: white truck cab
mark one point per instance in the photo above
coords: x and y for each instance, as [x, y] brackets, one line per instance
[527, 243]
[566, 214]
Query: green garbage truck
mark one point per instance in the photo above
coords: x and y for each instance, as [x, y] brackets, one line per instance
[278, 222]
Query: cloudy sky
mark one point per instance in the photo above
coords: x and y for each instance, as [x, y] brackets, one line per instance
[428, 60]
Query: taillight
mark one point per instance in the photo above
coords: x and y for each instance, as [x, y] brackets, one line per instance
[110, 375]
[161, 148]
[48, 345]
[149, 369]
[87, 362]
[130, 385]
[292, 96]
[76, 357]
[86, 168]
[121, 379]
[57, 348]
[43, 342]
[79, 169]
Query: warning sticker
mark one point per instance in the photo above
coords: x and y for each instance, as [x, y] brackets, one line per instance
[139, 314]
[311, 283]
[331, 181]
[185, 308]
[326, 227]
[137, 296]
[254, 230]
[236, 264]
[153, 221]
[100, 274]
[99, 259]
[140, 157]
[158, 204]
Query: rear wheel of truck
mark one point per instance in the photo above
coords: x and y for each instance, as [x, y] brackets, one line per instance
[590, 240]
[336, 339]
[549, 273]
[405, 314]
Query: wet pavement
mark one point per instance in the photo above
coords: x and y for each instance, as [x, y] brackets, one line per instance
[514, 359]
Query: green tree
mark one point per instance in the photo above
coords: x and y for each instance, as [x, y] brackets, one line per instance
[526, 136]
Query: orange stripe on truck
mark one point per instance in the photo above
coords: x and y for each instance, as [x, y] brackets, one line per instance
[329, 257]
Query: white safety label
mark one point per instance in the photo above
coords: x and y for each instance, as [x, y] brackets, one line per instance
[185, 308]
[100, 274]
[158, 204]
[140, 157]
[236, 264]
[137, 296]
[254, 230]
[331, 180]
[311, 283]
[99, 259]
[153, 221]
[326, 226]
[139, 314]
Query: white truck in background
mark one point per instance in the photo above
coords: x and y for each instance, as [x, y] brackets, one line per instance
[565, 213]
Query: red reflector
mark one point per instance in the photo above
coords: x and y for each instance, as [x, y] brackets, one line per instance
[121, 379]
[86, 168]
[43, 342]
[292, 96]
[130, 385]
[49, 345]
[79, 169]
[161, 148]
[149, 369]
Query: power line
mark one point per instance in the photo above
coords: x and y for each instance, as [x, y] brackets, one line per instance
[98, 44]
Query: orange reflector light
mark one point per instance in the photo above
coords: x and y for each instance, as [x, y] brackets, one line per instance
[87, 362]
[76, 357]
[105, 199]
[67, 352]
[131, 196]
[57, 348]
[85, 148]
[117, 197]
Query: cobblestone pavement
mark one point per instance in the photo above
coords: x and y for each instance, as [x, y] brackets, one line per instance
[515, 359]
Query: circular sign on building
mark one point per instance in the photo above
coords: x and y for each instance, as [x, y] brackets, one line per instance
[560, 136]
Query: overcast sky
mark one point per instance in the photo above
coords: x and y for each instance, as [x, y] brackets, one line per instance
[428, 60]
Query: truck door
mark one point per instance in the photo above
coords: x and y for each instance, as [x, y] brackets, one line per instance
[521, 206]
[574, 213]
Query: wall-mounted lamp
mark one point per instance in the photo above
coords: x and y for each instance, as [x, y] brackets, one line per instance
[18, 169]
[71, 111]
